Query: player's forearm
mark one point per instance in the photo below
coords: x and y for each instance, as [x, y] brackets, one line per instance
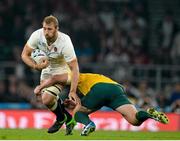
[74, 79]
[28, 61]
[26, 56]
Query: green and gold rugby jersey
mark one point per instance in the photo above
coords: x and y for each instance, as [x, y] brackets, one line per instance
[88, 80]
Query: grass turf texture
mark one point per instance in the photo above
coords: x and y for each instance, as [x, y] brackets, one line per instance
[41, 134]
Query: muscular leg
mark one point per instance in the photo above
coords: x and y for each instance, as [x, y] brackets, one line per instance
[82, 115]
[50, 99]
[118, 100]
[51, 86]
[55, 106]
[82, 118]
[133, 116]
[90, 103]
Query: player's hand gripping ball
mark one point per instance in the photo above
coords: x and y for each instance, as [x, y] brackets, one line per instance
[39, 56]
[69, 104]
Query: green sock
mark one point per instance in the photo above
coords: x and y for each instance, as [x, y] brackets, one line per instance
[82, 118]
[142, 116]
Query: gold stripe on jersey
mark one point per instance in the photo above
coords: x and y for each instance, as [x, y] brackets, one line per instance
[88, 80]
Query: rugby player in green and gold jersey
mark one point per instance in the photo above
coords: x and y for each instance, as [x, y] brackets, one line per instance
[99, 90]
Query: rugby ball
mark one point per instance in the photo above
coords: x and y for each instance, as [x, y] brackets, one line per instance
[38, 56]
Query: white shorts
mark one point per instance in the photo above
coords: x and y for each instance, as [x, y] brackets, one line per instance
[49, 72]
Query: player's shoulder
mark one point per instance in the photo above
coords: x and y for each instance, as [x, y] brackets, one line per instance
[37, 32]
[63, 36]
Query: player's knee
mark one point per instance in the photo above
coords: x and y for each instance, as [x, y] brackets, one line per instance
[49, 94]
[47, 99]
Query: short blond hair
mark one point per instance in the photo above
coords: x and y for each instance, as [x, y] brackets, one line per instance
[51, 19]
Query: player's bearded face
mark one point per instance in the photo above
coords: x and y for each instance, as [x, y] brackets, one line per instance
[49, 31]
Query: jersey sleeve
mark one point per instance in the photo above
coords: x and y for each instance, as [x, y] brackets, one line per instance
[68, 50]
[33, 40]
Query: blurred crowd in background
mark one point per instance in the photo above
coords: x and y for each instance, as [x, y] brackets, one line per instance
[102, 31]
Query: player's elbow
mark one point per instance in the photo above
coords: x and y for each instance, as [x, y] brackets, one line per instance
[74, 65]
[26, 53]
[23, 56]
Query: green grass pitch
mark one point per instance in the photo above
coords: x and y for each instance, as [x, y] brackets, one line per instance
[41, 134]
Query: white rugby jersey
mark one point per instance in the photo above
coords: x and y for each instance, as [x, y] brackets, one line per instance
[60, 52]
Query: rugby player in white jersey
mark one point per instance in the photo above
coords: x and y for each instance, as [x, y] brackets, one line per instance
[61, 61]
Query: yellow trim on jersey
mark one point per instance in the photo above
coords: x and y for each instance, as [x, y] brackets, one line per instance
[88, 80]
